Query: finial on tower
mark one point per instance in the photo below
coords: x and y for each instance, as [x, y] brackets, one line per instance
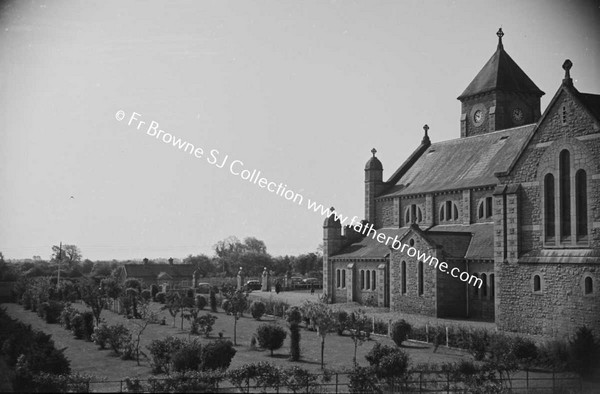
[373, 151]
[426, 140]
[500, 34]
[567, 67]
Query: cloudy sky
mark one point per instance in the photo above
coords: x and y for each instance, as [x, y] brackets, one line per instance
[299, 90]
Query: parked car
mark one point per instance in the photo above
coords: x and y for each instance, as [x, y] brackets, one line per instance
[308, 282]
[253, 285]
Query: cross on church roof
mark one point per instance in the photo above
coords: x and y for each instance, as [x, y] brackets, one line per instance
[426, 128]
[500, 34]
[567, 67]
[373, 151]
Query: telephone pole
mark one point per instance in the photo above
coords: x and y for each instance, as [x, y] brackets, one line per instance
[59, 259]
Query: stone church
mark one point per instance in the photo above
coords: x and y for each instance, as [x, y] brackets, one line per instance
[515, 202]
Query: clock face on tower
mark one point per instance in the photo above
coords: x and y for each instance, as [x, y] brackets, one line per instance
[517, 115]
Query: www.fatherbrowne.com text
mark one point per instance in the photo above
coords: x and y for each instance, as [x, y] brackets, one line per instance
[237, 168]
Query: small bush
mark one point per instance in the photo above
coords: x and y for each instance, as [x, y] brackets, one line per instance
[162, 351]
[524, 350]
[118, 338]
[101, 335]
[189, 293]
[553, 354]
[400, 331]
[66, 315]
[200, 302]
[270, 336]
[381, 327]
[293, 315]
[294, 342]
[154, 290]
[217, 355]
[388, 362]
[479, 344]
[203, 324]
[161, 297]
[188, 358]
[257, 309]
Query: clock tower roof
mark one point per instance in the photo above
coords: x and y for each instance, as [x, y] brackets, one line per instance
[501, 73]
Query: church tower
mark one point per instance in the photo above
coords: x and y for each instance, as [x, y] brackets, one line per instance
[500, 97]
[373, 185]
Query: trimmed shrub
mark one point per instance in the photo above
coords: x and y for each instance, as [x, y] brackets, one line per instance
[66, 315]
[146, 294]
[161, 297]
[400, 331]
[118, 338]
[257, 309]
[200, 302]
[217, 355]
[553, 354]
[226, 306]
[388, 362]
[188, 358]
[154, 290]
[53, 312]
[293, 315]
[294, 342]
[213, 300]
[189, 293]
[270, 336]
[342, 321]
[479, 344]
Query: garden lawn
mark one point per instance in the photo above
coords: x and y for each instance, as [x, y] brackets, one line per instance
[86, 358]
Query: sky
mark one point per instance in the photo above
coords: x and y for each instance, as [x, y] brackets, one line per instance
[298, 90]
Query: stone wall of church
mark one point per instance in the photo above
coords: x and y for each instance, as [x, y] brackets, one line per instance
[561, 305]
[384, 209]
[364, 292]
[478, 196]
[405, 204]
[340, 290]
[451, 292]
[411, 301]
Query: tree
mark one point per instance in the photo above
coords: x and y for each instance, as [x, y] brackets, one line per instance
[270, 336]
[87, 266]
[146, 316]
[94, 296]
[238, 301]
[204, 264]
[306, 263]
[173, 305]
[69, 254]
[323, 318]
[360, 329]
[255, 245]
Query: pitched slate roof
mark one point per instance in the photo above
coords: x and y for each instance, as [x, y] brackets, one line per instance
[461, 163]
[501, 73]
[591, 102]
[369, 248]
[152, 271]
[475, 242]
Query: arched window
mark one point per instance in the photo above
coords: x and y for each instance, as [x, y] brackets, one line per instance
[343, 279]
[564, 168]
[537, 283]
[443, 213]
[362, 279]
[368, 280]
[448, 211]
[549, 215]
[488, 207]
[588, 285]
[492, 286]
[373, 280]
[338, 281]
[476, 288]
[480, 211]
[484, 285]
[581, 204]
[403, 277]
[413, 214]
[455, 211]
[420, 277]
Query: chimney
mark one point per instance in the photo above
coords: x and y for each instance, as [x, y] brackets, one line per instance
[171, 260]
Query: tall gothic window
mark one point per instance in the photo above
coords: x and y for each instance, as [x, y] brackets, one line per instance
[564, 168]
[581, 204]
[373, 280]
[549, 215]
[338, 282]
[413, 214]
[492, 286]
[362, 279]
[484, 284]
[343, 279]
[368, 280]
[404, 277]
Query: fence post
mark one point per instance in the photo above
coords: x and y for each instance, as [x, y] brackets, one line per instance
[389, 330]
[553, 381]
[336, 383]
[447, 342]
[527, 379]
[448, 386]
[373, 321]
[121, 386]
[427, 332]
[420, 382]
